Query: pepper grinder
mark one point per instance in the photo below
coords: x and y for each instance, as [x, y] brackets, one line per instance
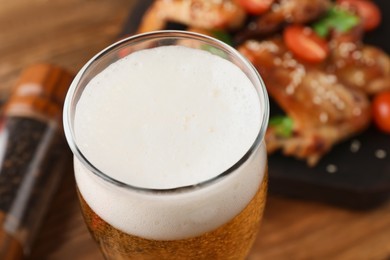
[33, 155]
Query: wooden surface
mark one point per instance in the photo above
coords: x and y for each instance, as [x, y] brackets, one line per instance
[68, 33]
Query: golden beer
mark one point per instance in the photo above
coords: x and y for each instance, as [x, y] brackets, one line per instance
[169, 153]
[232, 240]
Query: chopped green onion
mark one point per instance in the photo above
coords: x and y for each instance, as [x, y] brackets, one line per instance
[336, 18]
[283, 125]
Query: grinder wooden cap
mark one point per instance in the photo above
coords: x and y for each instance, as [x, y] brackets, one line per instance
[40, 91]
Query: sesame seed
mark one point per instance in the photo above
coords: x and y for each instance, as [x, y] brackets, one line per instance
[317, 100]
[346, 48]
[380, 154]
[356, 111]
[331, 168]
[356, 55]
[355, 146]
[340, 63]
[290, 90]
[277, 61]
[323, 117]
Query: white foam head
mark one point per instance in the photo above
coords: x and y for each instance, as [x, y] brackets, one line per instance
[164, 118]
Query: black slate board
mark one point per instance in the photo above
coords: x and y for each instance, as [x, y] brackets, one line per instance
[362, 180]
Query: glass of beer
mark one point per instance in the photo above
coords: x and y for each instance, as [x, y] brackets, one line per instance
[167, 130]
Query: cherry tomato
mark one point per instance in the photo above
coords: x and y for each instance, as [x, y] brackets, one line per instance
[256, 6]
[381, 111]
[304, 43]
[125, 51]
[367, 10]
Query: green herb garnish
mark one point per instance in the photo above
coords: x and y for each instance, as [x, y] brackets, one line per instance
[283, 125]
[336, 18]
[214, 50]
[222, 36]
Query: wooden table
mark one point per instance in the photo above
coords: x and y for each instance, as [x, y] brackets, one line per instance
[68, 33]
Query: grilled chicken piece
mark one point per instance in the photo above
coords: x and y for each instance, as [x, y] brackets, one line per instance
[324, 111]
[282, 12]
[204, 14]
[357, 65]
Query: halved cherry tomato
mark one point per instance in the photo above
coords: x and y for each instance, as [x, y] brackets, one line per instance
[256, 6]
[304, 43]
[367, 10]
[381, 111]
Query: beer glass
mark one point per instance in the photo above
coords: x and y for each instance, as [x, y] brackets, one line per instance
[215, 218]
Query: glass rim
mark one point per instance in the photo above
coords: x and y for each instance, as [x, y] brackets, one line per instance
[165, 34]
